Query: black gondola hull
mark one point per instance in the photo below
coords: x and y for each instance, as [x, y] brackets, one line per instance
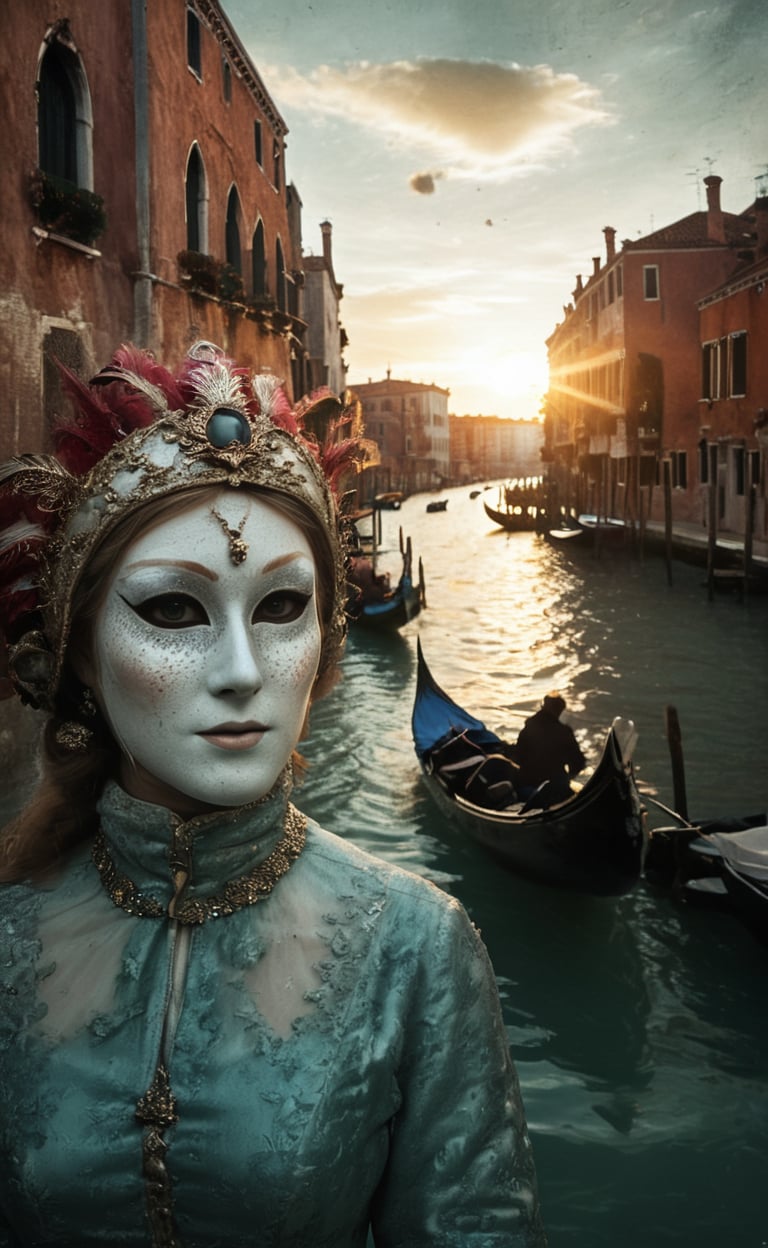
[594, 842]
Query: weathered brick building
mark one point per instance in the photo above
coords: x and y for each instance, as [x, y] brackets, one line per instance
[146, 199]
[627, 389]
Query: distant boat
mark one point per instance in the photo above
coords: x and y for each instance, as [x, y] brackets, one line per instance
[521, 507]
[439, 504]
[390, 501]
[474, 493]
[601, 524]
[375, 606]
[586, 529]
[518, 518]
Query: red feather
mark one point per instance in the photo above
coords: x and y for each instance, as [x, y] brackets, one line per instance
[144, 363]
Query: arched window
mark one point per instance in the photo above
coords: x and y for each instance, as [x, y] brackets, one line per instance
[232, 236]
[64, 118]
[259, 260]
[281, 292]
[196, 194]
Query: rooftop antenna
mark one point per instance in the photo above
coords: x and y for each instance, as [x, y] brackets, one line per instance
[709, 161]
[695, 175]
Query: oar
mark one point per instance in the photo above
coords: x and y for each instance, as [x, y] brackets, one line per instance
[684, 823]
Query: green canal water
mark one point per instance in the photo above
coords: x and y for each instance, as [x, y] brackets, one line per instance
[638, 1024]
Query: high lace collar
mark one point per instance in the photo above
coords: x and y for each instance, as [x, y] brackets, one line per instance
[153, 863]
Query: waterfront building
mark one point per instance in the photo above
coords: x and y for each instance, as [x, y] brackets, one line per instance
[488, 447]
[326, 338]
[733, 403]
[146, 199]
[408, 421]
[626, 409]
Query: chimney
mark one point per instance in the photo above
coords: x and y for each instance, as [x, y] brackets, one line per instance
[715, 222]
[326, 229]
[579, 286]
[610, 243]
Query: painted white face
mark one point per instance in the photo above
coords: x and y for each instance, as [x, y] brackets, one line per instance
[205, 667]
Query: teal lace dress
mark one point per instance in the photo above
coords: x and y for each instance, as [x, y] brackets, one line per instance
[298, 1054]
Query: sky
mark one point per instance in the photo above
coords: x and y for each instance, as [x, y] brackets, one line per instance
[468, 154]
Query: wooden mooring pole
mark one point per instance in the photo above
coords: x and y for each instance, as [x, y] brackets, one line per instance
[674, 740]
[667, 465]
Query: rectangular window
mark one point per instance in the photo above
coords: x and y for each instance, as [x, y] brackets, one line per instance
[619, 281]
[738, 378]
[679, 470]
[713, 357]
[276, 155]
[739, 465]
[226, 80]
[193, 43]
[611, 287]
[703, 463]
[650, 281]
[257, 143]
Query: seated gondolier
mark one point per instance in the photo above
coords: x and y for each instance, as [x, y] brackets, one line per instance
[548, 753]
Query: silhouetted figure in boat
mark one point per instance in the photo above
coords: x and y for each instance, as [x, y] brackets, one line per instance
[371, 586]
[547, 754]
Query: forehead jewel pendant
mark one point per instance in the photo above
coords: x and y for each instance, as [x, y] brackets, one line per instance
[238, 548]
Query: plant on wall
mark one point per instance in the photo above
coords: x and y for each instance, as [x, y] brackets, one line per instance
[199, 270]
[67, 209]
[213, 277]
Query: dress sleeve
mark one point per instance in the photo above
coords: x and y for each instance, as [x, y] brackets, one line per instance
[460, 1172]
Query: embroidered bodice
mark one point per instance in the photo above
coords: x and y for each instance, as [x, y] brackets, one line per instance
[334, 1053]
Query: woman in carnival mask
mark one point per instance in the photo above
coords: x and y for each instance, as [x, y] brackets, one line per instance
[221, 1024]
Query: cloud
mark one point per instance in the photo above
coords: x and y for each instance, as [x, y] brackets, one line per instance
[477, 118]
[424, 183]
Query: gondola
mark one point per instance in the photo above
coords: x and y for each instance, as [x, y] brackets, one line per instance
[594, 842]
[570, 533]
[519, 518]
[438, 504]
[398, 606]
[720, 863]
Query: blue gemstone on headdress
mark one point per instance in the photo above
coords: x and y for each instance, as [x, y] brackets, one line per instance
[226, 425]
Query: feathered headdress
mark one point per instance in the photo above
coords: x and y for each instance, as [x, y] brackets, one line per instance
[139, 432]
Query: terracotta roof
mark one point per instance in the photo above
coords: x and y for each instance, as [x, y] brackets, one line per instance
[691, 231]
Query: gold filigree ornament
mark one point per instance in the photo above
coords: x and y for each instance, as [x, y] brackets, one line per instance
[31, 665]
[236, 429]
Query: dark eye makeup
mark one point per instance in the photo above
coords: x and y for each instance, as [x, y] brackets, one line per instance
[176, 611]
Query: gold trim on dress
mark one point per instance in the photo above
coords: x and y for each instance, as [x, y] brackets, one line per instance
[244, 890]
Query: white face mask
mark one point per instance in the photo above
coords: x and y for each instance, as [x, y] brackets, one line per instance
[205, 667]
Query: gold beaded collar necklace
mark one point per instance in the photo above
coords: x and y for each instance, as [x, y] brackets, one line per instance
[244, 890]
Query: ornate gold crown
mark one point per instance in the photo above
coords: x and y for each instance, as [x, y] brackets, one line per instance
[140, 433]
